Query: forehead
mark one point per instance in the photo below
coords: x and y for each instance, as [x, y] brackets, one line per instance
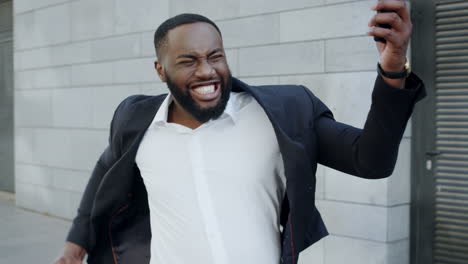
[194, 38]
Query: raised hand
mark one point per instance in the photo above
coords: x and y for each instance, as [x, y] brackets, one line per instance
[393, 51]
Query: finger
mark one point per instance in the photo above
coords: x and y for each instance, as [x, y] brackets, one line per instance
[398, 6]
[380, 46]
[388, 34]
[392, 19]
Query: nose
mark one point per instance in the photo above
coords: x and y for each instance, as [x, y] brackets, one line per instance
[205, 70]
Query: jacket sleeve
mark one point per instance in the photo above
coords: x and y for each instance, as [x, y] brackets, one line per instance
[80, 229]
[370, 152]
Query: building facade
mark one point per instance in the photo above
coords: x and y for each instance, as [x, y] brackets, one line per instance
[75, 60]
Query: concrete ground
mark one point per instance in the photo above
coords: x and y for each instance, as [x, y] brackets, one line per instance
[28, 237]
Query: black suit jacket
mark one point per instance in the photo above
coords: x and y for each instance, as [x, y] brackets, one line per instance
[112, 223]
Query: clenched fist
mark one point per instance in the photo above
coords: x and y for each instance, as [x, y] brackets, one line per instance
[393, 51]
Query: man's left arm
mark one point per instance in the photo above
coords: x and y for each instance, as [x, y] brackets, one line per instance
[371, 152]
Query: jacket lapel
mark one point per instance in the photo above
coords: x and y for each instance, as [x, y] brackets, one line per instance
[118, 181]
[138, 120]
[291, 149]
[272, 106]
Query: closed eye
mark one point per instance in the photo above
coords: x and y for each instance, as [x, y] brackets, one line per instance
[216, 57]
[185, 62]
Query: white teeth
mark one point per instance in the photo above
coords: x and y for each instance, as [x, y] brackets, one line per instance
[205, 89]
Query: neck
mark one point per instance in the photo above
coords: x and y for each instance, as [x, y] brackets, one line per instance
[177, 114]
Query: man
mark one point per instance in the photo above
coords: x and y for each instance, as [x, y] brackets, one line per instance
[222, 172]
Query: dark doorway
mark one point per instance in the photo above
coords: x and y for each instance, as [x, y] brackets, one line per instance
[7, 178]
[439, 208]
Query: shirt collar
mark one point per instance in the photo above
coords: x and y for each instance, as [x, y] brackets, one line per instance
[162, 113]
[230, 109]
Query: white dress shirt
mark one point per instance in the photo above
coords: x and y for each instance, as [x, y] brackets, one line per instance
[214, 192]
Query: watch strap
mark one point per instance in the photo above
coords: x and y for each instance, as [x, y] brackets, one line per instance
[394, 75]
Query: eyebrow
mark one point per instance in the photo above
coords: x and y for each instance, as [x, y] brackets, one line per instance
[214, 51]
[191, 56]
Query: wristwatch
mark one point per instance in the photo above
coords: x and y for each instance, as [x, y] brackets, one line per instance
[395, 75]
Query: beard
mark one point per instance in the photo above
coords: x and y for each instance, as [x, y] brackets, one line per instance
[202, 115]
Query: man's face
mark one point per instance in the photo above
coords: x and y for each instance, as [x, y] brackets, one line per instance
[196, 71]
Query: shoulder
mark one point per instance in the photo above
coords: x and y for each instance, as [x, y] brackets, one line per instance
[140, 99]
[284, 89]
[133, 103]
[295, 101]
[297, 96]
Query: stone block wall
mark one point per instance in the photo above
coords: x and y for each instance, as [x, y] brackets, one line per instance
[75, 60]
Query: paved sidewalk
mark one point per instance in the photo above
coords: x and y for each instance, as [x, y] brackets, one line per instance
[29, 237]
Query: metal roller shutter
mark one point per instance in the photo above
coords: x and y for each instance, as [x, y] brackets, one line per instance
[451, 167]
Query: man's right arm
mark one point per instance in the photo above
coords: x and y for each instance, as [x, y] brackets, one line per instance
[78, 239]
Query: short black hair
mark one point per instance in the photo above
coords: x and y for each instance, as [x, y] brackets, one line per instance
[160, 36]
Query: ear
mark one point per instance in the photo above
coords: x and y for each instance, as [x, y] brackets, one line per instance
[160, 70]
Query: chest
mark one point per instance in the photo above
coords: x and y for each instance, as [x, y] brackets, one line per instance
[239, 153]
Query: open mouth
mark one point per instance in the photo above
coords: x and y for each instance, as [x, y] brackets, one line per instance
[206, 92]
